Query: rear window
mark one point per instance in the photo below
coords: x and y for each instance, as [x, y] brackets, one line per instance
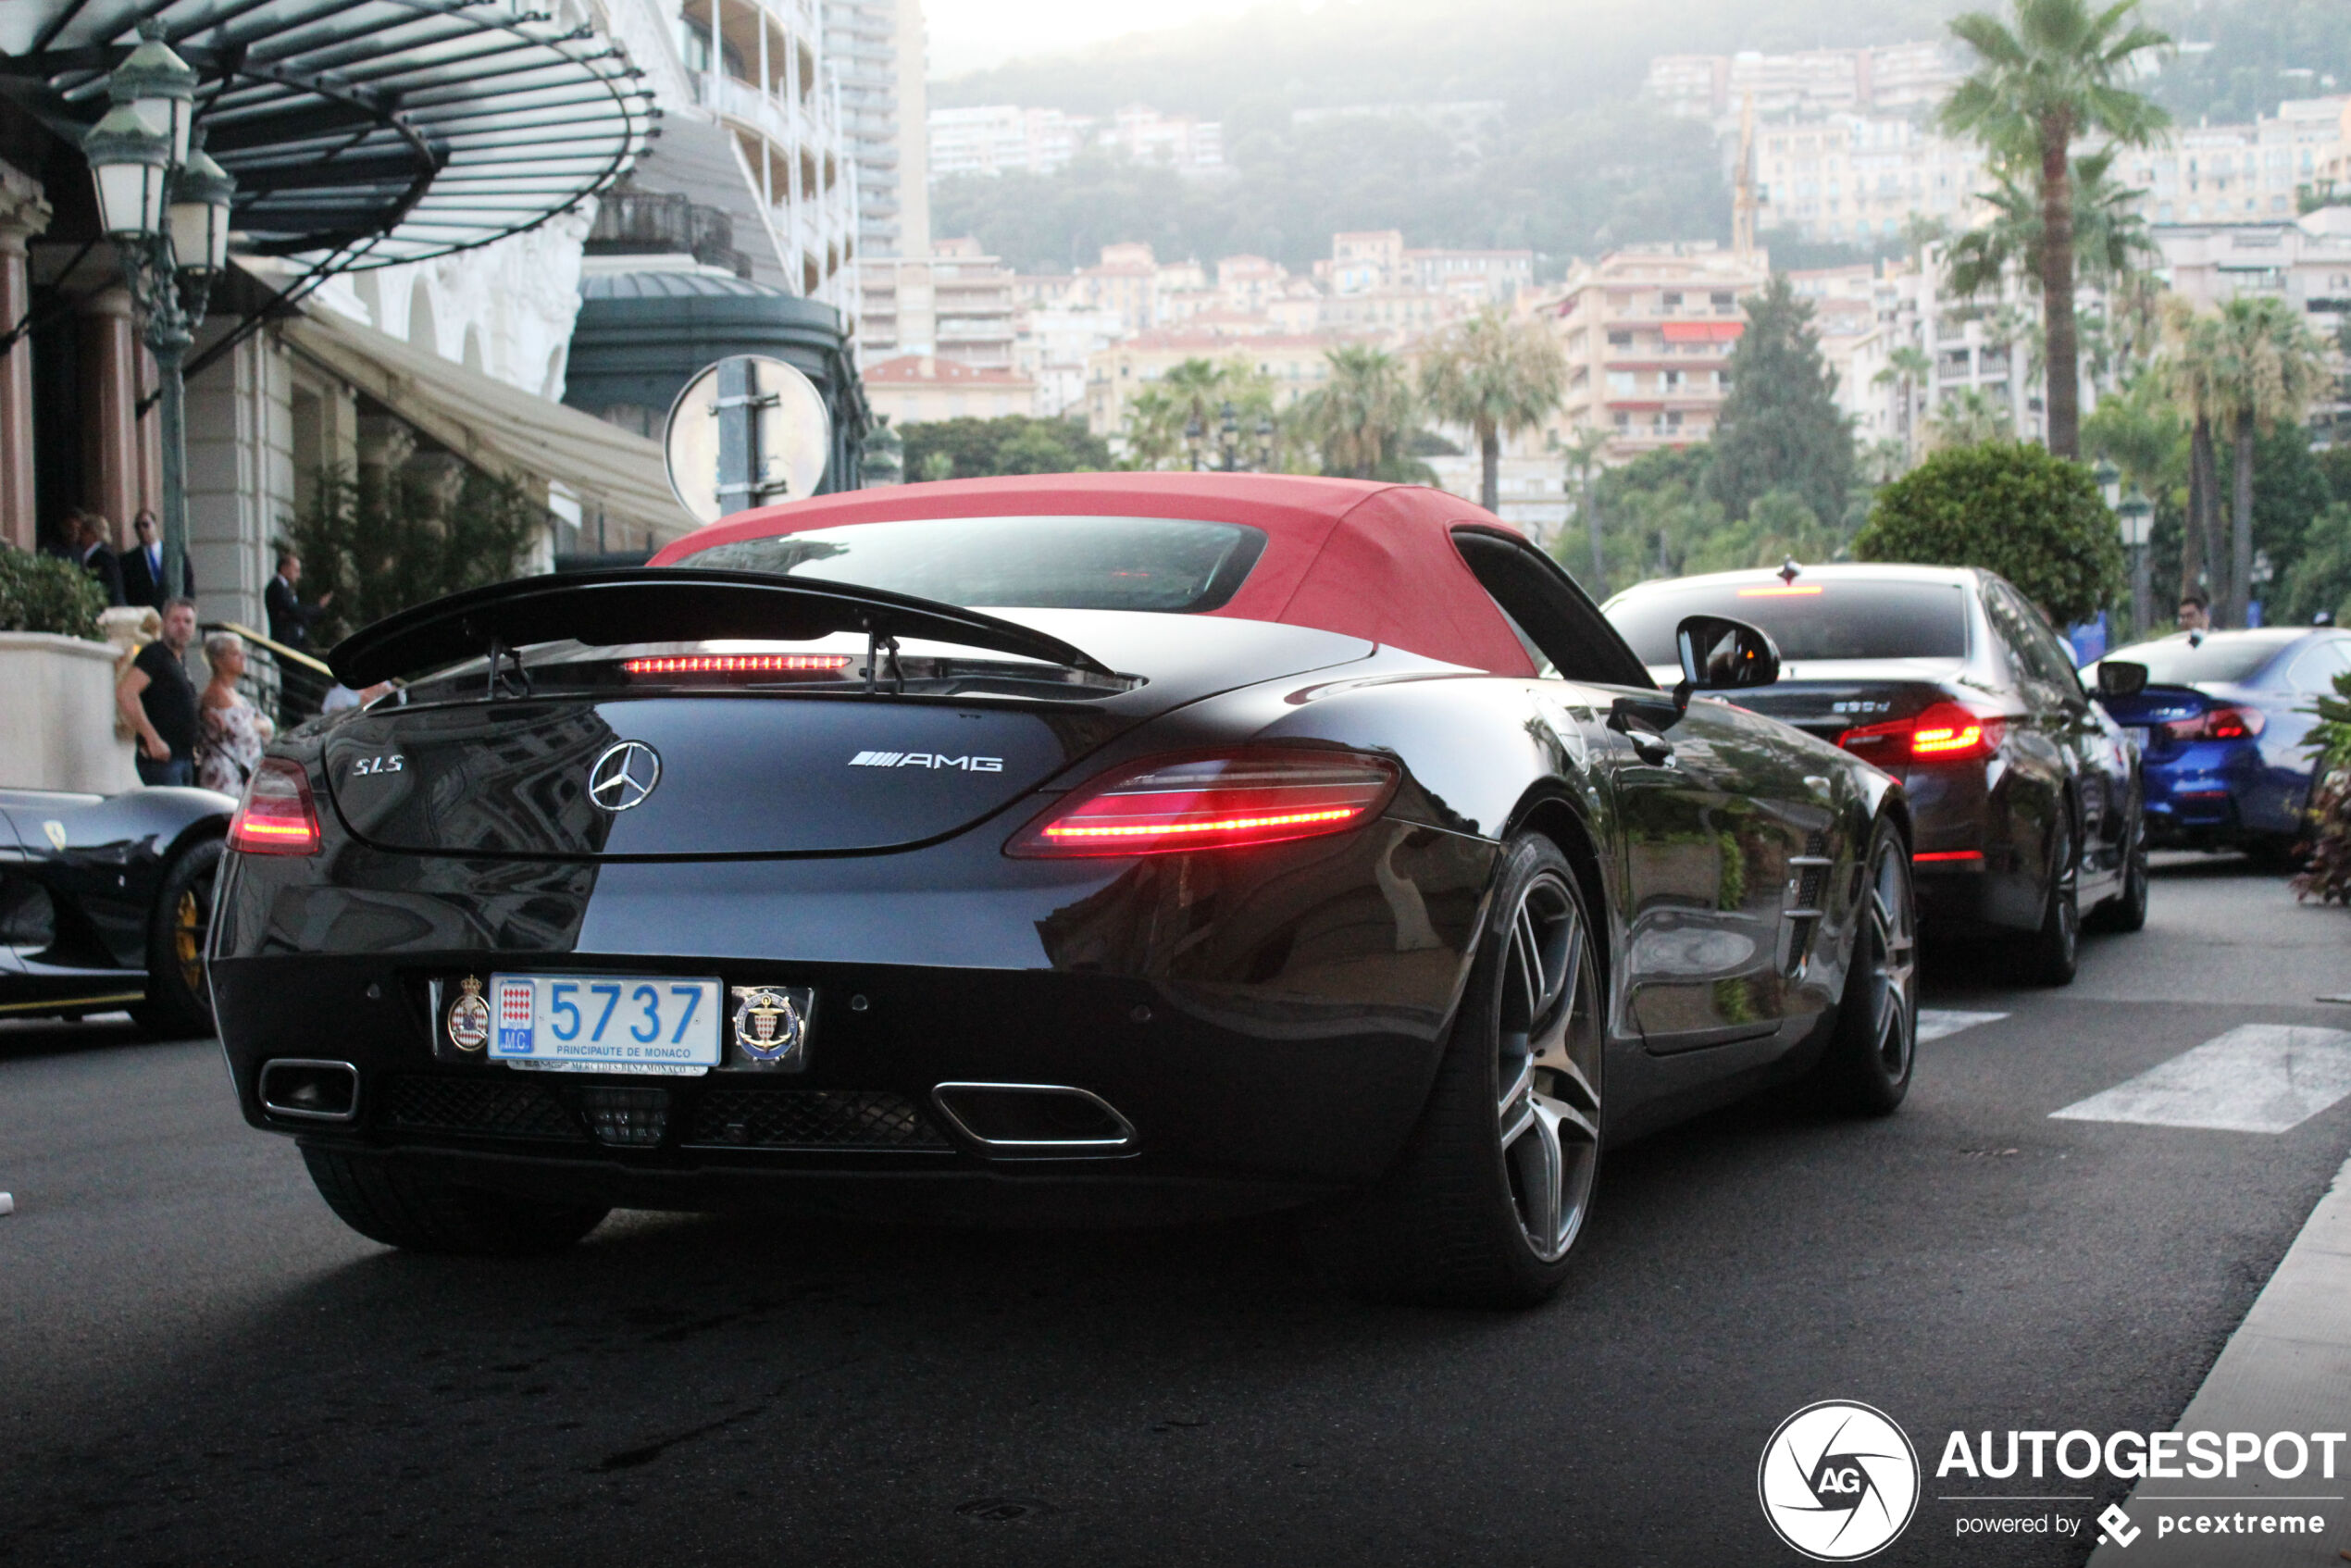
[2222, 660]
[1838, 620]
[1052, 562]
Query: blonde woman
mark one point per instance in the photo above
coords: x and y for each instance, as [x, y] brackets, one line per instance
[234, 730]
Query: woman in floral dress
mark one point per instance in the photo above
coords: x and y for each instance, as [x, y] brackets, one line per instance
[234, 730]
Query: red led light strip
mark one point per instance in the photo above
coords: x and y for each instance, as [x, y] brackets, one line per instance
[1222, 825]
[1949, 855]
[736, 663]
[1776, 593]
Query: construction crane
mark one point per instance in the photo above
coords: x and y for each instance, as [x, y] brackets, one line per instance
[1743, 182]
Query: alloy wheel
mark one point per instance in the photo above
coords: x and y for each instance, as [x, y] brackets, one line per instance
[1549, 1109]
[1892, 933]
[191, 930]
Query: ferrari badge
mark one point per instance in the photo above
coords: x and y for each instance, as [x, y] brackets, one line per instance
[769, 1027]
[470, 1018]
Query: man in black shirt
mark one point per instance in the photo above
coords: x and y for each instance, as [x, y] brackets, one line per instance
[158, 700]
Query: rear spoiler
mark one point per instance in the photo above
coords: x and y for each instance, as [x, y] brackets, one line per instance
[619, 605]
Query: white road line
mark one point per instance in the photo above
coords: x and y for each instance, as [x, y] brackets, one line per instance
[2257, 1077]
[1940, 1023]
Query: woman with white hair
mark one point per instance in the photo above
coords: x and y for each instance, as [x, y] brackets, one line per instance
[234, 730]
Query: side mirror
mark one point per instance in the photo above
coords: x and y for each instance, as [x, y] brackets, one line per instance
[2121, 677]
[1722, 654]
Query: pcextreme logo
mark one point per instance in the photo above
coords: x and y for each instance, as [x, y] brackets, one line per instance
[1839, 1481]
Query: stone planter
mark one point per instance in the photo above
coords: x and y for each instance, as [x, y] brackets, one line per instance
[57, 715]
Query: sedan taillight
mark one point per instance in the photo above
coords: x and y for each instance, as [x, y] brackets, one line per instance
[1259, 797]
[2219, 724]
[276, 816]
[1945, 732]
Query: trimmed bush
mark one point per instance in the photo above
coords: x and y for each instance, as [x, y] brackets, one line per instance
[45, 594]
[2010, 507]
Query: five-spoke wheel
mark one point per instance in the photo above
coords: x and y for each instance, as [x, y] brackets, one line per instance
[1548, 1065]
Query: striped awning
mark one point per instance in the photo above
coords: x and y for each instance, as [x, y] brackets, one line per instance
[362, 132]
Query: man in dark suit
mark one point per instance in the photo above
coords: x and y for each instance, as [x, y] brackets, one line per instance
[290, 618]
[89, 549]
[142, 568]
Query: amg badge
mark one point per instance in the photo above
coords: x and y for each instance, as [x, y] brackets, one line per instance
[470, 1017]
[771, 1027]
[927, 759]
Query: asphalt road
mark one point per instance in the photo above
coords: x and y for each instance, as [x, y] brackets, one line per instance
[199, 1365]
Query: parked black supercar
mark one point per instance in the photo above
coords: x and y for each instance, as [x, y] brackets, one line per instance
[1437, 933]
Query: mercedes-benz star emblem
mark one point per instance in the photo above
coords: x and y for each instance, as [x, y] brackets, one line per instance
[623, 776]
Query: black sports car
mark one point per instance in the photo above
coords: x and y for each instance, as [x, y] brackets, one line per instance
[1264, 843]
[105, 901]
[2026, 796]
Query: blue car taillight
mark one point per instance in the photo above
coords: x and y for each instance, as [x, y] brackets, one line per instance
[2227, 723]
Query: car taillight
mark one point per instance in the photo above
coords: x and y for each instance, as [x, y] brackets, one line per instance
[2220, 724]
[739, 663]
[1213, 803]
[1945, 732]
[276, 816]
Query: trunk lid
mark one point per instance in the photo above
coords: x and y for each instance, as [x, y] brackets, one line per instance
[1850, 695]
[735, 772]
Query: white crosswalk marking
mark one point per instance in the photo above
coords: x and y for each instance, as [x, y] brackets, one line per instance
[2257, 1077]
[1938, 1023]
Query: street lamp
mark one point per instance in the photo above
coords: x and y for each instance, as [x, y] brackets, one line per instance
[165, 204]
[2137, 519]
[1265, 443]
[1195, 436]
[2109, 482]
[1228, 435]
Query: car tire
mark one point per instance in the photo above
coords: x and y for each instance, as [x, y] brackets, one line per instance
[420, 1210]
[179, 1002]
[1873, 1046]
[1485, 1205]
[2127, 911]
[2053, 953]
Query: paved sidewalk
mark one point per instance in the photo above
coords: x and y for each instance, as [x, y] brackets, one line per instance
[2286, 1369]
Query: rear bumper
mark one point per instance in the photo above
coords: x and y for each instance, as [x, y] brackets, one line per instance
[1973, 862]
[2210, 793]
[1269, 1024]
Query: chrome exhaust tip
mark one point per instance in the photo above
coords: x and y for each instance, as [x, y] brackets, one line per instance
[1035, 1120]
[309, 1090]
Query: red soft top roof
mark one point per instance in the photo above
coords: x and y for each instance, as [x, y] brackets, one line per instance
[1374, 561]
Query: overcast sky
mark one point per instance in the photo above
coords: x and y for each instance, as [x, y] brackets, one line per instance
[967, 35]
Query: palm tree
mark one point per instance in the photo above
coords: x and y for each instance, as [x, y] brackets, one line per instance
[1583, 454]
[1497, 377]
[1358, 417]
[1970, 418]
[2037, 90]
[1191, 396]
[2135, 429]
[2280, 370]
[2110, 238]
[2197, 374]
[1910, 366]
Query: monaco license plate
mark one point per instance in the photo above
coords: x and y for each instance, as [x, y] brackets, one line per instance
[654, 1024]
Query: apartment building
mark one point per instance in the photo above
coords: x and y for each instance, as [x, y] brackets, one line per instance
[1810, 83]
[1478, 276]
[916, 388]
[1052, 346]
[877, 48]
[2240, 173]
[1648, 331]
[1858, 179]
[956, 304]
[1004, 138]
[1182, 143]
[1115, 374]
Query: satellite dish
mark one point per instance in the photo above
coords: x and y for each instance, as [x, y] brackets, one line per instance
[745, 432]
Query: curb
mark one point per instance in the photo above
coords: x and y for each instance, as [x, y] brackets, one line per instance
[2286, 1368]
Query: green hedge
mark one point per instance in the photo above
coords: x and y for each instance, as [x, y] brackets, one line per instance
[2010, 507]
[44, 593]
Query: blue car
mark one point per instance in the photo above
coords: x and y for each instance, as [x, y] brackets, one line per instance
[2221, 725]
